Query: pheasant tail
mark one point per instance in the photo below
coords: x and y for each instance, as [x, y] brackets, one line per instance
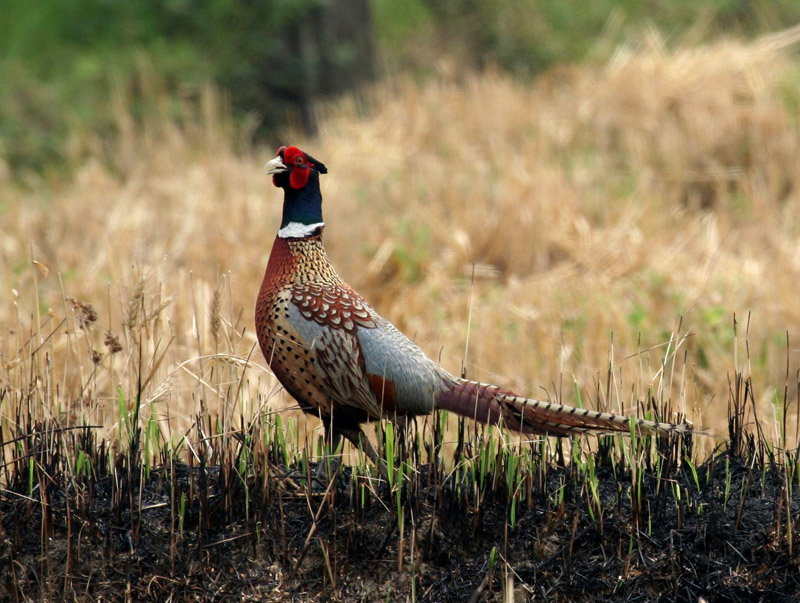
[491, 404]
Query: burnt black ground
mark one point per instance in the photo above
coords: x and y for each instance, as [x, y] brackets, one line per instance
[109, 537]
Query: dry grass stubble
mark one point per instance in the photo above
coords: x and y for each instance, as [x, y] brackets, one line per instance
[609, 213]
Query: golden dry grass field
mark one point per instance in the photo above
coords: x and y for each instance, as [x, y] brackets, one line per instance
[598, 229]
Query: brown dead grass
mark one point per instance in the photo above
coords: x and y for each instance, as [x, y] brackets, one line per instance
[617, 217]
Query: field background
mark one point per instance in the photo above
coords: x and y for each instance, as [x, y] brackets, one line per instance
[602, 202]
[595, 203]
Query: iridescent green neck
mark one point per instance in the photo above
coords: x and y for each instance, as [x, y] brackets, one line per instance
[302, 210]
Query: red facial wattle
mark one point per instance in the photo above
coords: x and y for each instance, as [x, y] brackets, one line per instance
[299, 177]
[299, 166]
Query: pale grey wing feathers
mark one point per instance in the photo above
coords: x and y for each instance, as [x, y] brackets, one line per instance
[394, 357]
[338, 360]
[344, 361]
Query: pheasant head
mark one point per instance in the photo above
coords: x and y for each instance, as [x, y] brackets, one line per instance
[297, 173]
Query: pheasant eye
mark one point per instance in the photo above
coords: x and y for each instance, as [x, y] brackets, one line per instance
[299, 160]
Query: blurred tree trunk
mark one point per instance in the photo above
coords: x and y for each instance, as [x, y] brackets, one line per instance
[336, 48]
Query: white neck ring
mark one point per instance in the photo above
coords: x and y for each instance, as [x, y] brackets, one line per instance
[298, 230]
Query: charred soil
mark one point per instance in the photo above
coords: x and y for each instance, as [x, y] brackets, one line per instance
[725, 530]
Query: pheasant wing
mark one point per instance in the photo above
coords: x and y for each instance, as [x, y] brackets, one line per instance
[361, 358]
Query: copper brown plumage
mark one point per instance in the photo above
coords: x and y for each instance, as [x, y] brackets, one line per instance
[346, 364]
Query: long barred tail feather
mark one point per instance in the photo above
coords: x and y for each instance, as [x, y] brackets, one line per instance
[491, 404]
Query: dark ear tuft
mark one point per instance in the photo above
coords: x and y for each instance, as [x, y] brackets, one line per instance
[318, 165]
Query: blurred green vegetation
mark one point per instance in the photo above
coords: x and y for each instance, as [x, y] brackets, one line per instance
[528, 36]
[63, 61]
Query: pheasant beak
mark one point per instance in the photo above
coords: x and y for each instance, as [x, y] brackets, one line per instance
[275, 166]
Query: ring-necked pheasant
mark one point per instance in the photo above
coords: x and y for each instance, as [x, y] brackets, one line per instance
[346, 364]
